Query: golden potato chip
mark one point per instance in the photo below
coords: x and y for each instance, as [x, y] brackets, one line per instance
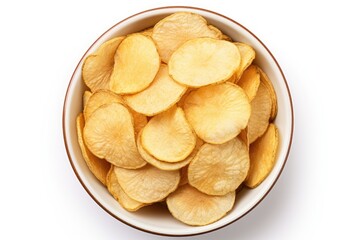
[260, 113]
[147, 32]
[265, 79]
[147, 184]
[184, 175]
[109, 134]
[262, 156]
[244, 137]
[195, 208]
[98, 67]
[250, 81]
[168, 136]
[226, 38]
[99, 167]
[218, 112]
[136, 64]
[162, 94]
[204, 61]
[247, 54]
[174, 30]
[118, 193]
[218, 33]
[219, 169]
[86, 97]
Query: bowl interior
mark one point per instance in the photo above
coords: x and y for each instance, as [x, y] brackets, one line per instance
[157, 219]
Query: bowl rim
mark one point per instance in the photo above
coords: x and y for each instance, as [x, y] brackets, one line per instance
[67, 146]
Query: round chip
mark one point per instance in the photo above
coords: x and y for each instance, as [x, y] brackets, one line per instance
[174, 30]
[99, 167]
[204, 61]
[262, 156]
[97, 67]
[162, 94]
[168, 136]
[118, 193]
[218, 112]
[86, 97]
[247, 54]
[136, 64]
[147, 184]
[250, 81]
[266, 81]
[109, 134]
[219, 169]
[193, 207]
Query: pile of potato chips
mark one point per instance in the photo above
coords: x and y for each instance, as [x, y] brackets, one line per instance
[177, 113]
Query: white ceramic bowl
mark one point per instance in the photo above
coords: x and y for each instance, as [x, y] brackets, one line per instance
[156, 219]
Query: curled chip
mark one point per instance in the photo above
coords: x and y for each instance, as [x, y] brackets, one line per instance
[218, 112]
[260, 113]
[193, 207]
[97, 67]
[99, 167]
[204, 61]
[168, 136]
[219, 169]
[162, 94]
[118, 193]
[109, 134]
[262, 156]
[174, 30]
[250, 81]
[247, 54]
[266, 81]
[86, 97]
[147, 184]
[136, 64]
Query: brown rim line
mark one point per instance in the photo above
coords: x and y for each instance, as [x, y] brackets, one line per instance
[65, 116]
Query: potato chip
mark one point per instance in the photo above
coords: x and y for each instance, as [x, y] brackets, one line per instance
[260, 113]
[147, 32]
[195, 208]
[184, 175]
[109, 134]
[147, 184]
[250, 81]
[262, 156]
[86, 97]
[247, 54]
[174, 30]
[168, 136]
[204, 61]
[265, 79]
[136, 64]
[218, 33]
[99, 167]
[226, 38]
[219, 169]
[218, 112]
[244, 137]
[118, 193]
[162, 94]
[98, 67]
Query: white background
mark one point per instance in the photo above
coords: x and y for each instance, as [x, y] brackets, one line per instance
[317, 43]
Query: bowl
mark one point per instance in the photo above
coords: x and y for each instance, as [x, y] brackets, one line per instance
[156, 219]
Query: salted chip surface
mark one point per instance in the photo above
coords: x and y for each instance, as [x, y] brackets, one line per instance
[109, 134]
[247, 54]
[218, 112]
[168, 136]
[174, 30]
[219, 169]
[99, 167]
[162, 94]
[263, 156]
[195, 208]
[250, 81]
[204, 61]
[98, 66]
[118, 193]
[147, 184]
[260, 113]
[136, 64]
[268, 84]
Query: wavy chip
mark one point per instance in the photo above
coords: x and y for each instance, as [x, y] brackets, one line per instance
[147, 184]
[136, 64]
[263, 156]
[218, 112]
[99, 167]
[250, 81]
[195, 208]
[247, 54]
[109, 134]
[168, 136]
[219, 169]
[162, 94]
[174, 30]
[204, 61]
[98, 67]
[266, 81]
